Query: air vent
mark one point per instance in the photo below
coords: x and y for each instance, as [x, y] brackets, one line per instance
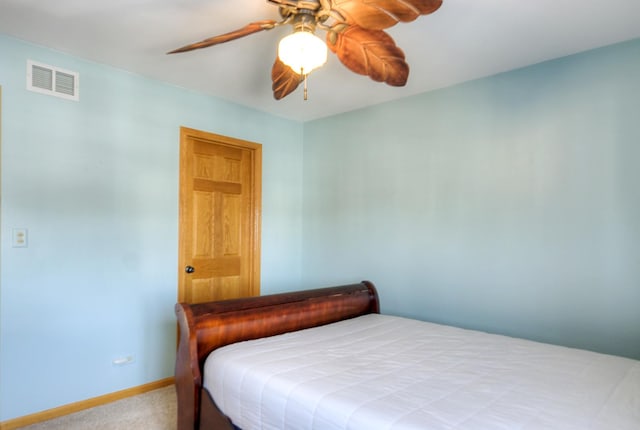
[53, 81]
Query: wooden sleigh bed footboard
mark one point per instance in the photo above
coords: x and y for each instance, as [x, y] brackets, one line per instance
[204, 327]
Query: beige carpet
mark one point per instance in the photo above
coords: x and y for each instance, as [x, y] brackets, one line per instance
[155, 410]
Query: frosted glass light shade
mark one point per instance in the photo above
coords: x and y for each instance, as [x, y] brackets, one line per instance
[302, 51]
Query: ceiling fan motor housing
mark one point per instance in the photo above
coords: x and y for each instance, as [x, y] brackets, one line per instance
[305, 20]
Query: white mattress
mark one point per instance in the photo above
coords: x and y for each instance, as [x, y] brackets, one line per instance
[382, 372]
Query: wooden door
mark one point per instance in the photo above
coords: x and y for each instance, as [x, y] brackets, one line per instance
[219, 234]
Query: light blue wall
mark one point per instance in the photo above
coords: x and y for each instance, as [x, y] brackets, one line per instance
[509, 204]
[96, 184]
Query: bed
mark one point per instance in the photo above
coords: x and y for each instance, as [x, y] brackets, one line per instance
[327, 359]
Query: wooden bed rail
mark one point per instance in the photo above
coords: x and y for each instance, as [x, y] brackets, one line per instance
[204, 327]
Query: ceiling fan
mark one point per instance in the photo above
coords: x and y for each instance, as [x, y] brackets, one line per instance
[354, 33]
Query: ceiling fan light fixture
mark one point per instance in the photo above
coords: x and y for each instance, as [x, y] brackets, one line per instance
[355, 33]
[302, 51]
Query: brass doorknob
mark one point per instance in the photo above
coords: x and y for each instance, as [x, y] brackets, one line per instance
[189, 269]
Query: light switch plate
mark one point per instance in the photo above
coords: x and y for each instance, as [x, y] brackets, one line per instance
[20, 238]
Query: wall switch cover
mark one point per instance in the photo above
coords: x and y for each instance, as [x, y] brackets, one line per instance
[19, 238]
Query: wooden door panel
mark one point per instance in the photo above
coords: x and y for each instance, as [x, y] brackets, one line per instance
[203, 224]
[214, 267]
[209, 186]
[219, 217]
[231, 225]
[204, 290]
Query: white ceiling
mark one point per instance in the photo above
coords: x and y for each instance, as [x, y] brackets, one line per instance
[464, 40]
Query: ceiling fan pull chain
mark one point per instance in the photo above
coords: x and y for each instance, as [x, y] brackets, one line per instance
[305, 85]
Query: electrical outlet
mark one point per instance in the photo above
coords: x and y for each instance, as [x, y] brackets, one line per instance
[19, 238]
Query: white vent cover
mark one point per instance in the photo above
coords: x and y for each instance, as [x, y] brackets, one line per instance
[51, 80]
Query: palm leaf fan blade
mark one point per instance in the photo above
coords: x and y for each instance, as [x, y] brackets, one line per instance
[285, 80]
[381, 14]
[370, 52]
[248, 29]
